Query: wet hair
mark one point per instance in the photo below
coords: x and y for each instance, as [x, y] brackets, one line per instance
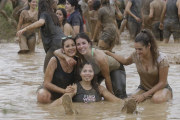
[105, 2]
[84, 36]
[146, 37]
[64, 40]
[94, 82]
[77, 6]
[74, 3]
[96, 5]
[28, 7]
[45, 6]
[64, 15]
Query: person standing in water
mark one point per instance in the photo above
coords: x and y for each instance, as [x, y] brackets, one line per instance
[27, 17]
[156, 8]
[171, 23]
[51, 32]
[145, 11]
[106, 16]
[152, 67]
[135, 19]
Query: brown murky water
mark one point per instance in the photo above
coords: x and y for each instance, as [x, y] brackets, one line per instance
[20, 75]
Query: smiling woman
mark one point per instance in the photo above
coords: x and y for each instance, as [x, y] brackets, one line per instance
[59, 75]
[152, 67]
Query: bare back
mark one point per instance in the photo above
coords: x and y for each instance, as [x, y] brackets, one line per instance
[157, 6]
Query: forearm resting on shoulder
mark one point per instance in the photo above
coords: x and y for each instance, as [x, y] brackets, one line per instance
[60, 54]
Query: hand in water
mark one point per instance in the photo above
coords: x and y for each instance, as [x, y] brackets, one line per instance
[139, 98]
[161, 26]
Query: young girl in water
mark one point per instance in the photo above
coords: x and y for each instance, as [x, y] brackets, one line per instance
[106, 67]
[66, 27]
[50, 28]
[87, 90]
[59, 75]
[152, 67]
[27, 17]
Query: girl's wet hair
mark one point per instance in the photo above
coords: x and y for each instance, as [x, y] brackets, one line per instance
[45, 6]
[64, 14]
[94, 82]
[146, 37]
[64, 39]
[84, 36]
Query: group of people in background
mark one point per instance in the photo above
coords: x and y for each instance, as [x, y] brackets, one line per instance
[74, 69]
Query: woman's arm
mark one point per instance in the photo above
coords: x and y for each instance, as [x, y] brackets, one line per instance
[109, 96]
[37, 24]
[104, 67]
[129, 4]
[68, 59]
[121, 59]
[59, 101]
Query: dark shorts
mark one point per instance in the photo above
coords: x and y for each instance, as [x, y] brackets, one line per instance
[158, 33]
[54, 95]
[167, 87]
[171, 28]
[29, 35]
[134, 28]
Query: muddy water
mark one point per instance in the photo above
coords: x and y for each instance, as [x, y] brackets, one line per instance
[20, 75]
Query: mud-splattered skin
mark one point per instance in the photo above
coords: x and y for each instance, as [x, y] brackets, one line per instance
[106, 16]
[156, 8]
[145, 10]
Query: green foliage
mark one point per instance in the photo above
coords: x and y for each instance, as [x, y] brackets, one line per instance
[7, 29]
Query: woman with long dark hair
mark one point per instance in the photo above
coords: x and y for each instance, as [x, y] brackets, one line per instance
[59, 75]
[51, 32]
[88, 90]
[152, 67]
[75, 18]
[106, 66]
[27, 17]
[66, 27]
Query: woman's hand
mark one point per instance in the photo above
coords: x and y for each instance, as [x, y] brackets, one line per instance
[161, 26]
[20, 32]
[69, 89]
[18, 39]
[71, 62]
[139, 98]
